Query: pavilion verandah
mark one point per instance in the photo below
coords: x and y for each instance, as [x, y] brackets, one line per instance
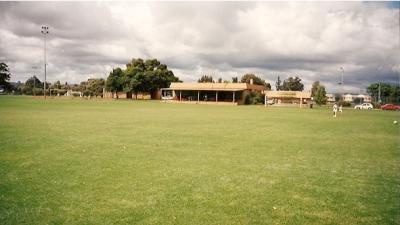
[226, 96]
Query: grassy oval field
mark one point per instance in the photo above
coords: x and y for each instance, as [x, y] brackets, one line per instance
[73, 161]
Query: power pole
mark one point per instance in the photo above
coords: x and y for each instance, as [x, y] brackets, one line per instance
[341, 84]
[379, 93]
[342, 81]
[45, 31]
[34, 80]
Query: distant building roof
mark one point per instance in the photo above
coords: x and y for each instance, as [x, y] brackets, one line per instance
[288, 94]
[15, 84]
[357, 95]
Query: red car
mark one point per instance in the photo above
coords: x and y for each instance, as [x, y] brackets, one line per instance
[390, 107]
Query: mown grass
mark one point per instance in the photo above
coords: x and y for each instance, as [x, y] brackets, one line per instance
[146, 162]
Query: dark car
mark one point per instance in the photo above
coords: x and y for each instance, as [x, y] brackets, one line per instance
[390, 107]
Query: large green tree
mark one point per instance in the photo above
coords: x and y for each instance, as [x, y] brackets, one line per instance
[147, 76]
[65, 86]
[141, 76]
[114, 80]
[160, 77]
[95, 86]
[256, 80]
[56, 85]
[314, 88]
[320, 95]
[5, 76]
[33, 86]
[92, 87]
[33, 82]
[75, 87]
[292, 84]
[278, 84]
[133, 76]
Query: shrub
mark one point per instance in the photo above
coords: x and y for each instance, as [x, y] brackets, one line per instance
[87, 93]
[38, 91]
[53, 92]
[344, 103]
[17, 92]
[61, 92]
[253, 98]
[376, 105]
[27, 91]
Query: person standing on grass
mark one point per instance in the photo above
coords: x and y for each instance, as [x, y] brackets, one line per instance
[340, 109]
[335, 108]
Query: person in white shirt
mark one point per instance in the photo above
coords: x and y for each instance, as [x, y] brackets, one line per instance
[335, 108]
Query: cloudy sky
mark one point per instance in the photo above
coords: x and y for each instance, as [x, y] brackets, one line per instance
[311, 40]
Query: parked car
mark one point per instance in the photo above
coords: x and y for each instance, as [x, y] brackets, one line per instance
[390, 107]
[364, 106]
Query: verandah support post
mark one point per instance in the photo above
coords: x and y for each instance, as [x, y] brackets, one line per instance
[233, 97]
[216, 96]
[265, 100]
[198, 96]
[301, 102]
[180, 96]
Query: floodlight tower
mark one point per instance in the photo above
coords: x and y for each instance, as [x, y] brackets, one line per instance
[45, 31]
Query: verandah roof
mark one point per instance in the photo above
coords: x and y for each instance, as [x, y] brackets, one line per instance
[200, 89]
[214, 87]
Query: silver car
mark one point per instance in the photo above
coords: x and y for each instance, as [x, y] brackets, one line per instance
[364, 106]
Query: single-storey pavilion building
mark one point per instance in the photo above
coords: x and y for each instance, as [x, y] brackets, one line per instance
[352, 97]
[209, 93]
[330, 98]
[287, 97]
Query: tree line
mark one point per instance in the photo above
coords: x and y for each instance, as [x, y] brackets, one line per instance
[244, 79]
[150, 75]
[290, 84]
[139, 76]
[384, 93]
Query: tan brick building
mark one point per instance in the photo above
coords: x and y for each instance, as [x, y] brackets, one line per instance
[288, 97]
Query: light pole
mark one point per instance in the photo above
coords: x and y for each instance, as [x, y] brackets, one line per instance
[45, 31]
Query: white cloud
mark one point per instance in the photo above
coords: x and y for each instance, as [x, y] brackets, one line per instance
[311, 40]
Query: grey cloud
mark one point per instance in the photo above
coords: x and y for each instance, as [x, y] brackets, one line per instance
[68, 20]
[312, 40]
